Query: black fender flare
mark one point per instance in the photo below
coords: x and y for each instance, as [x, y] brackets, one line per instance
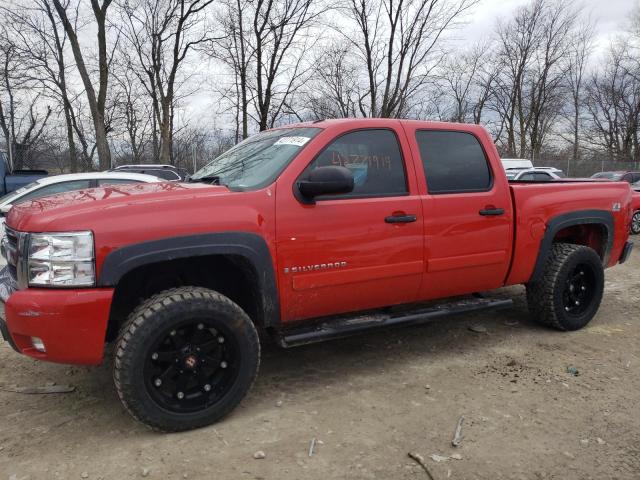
[580, 217]
[251, 246]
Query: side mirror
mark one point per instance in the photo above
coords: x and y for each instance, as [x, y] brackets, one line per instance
[332, 180]
[5, 209]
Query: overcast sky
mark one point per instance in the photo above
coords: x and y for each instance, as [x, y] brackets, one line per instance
[610, 16]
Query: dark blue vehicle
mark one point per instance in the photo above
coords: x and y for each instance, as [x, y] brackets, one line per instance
[10, 181]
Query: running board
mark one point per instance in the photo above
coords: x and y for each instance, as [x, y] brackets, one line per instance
[347, 326]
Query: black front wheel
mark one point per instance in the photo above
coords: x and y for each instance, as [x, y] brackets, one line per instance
[185, 359]
[635, 223]
[568, 294]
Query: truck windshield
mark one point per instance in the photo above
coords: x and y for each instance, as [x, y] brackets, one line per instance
[258, 160]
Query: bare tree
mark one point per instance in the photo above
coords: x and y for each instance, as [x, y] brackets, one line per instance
[267, 44]
[399, 45]
[467, 82]
[41, 41]
[614, 105]
[532, 50]
[96, 100]
[23, 117]
[579, 52]
[333, 90]
[133, 115]
[162, 33]
[235, 50]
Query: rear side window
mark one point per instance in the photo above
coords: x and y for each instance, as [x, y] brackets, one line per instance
[453, 162]
[374, 158]
[542, 177]
[115, 181]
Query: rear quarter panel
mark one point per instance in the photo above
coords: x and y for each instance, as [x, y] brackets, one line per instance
[536, 204]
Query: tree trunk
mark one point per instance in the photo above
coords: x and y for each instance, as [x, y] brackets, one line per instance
[165, 134]
[73, 154]
[96, 102]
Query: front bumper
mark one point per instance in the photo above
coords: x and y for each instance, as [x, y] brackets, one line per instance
[72, 324]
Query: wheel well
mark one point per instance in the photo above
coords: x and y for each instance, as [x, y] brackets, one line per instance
[592, 235]
[231, 275]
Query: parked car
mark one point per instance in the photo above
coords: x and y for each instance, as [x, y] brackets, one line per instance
[306, 233]
[167, 172]
[537, 174]
[65, 183]
[635, 220]
[509, 163]
[11, 181]
[621, 176]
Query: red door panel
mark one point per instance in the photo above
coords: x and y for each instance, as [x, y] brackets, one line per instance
[344, 254]
[341, 256]
[465, 251]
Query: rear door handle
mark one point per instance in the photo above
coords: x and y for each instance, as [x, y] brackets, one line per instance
[400, 219]
[486, 212]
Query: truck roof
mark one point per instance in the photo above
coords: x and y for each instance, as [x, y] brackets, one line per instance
[365, 121]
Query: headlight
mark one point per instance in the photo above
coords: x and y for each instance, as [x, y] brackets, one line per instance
[61, 259]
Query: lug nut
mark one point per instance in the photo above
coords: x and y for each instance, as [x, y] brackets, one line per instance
[200, 326]
[577, 302]
[180, 395]
[157, 382]
[223, 364]
[154, 356]
[173, 332]
[207, 388]
[220, 339]
[583, 288]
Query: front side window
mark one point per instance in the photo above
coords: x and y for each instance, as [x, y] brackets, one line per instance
[453, 162]
[257, 161]
[374, 158]
[54, 189]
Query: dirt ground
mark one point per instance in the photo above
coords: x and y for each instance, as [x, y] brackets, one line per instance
[369, 400]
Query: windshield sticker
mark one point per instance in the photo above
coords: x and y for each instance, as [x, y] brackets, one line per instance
[297, 141]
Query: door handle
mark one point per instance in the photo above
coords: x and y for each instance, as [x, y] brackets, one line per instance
[400, 219]
[486, 212]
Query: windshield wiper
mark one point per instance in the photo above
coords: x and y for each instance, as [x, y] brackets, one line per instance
[211, 180]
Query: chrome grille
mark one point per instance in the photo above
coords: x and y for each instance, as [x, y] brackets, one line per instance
[11, 250]
[10, 245]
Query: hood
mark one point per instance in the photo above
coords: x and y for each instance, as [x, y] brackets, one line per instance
[50, 213]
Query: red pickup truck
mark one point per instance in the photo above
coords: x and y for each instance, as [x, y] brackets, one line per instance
[302, 233]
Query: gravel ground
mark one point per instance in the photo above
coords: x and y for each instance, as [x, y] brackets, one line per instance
[369, 401]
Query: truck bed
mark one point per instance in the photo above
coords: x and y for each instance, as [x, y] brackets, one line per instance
[535, 202]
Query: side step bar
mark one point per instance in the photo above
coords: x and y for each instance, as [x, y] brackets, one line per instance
[347, 326]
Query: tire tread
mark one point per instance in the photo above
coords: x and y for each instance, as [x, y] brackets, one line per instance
[136, 320]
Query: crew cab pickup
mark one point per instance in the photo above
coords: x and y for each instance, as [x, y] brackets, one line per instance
[302, 233]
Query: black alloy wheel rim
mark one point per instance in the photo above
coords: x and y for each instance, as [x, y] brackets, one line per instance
[579, 290]
[191, 366]
[635, 223]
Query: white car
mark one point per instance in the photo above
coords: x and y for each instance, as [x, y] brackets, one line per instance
[508, 163]
[536, 174]
[67, 183]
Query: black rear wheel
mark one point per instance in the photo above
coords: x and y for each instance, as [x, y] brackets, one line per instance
[185, 358]
[568, 294]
